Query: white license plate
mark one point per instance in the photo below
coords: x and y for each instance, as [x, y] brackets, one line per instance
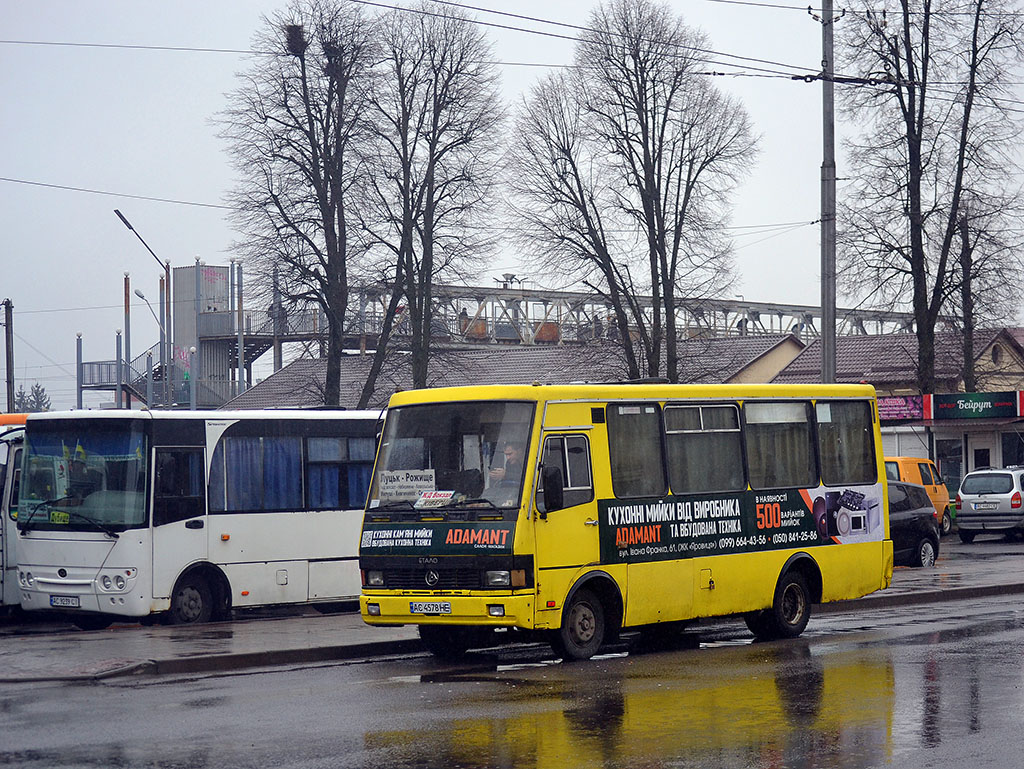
[430, 607]
[65, 601]
[986, 505]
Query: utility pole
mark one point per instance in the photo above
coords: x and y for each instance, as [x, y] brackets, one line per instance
[828, 199]
[9, 342]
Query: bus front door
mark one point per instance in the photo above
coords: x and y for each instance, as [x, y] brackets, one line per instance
[567, 538]
[180, 526]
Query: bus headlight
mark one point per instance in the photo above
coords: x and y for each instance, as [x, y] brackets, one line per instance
[119, 582]
[106, 582]
[29, 579]
[497, 579]
[375, 578]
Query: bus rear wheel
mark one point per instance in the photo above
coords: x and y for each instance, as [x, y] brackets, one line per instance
[583, 628]
[191, 601]
[790, 611]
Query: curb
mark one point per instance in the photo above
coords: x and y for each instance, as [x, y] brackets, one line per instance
[337, 652]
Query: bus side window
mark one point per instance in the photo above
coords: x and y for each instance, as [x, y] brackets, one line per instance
[571, 455]
[845, 443]
[780, 445]
[705, 449]
[179, 485]
[635, 450]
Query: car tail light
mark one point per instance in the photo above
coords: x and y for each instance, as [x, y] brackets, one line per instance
[1015, 500]
[958, 503]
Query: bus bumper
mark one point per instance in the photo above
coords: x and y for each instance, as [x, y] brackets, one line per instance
[481, 610]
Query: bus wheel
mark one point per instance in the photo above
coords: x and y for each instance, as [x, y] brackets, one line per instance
[758, 623]
[582, 631]
[92, 622]
[791, 608]
[191, 601]
[445, 642]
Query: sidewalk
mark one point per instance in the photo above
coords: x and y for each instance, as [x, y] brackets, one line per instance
[989, 566]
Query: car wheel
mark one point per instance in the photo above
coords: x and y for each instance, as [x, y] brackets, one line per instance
[582, 631]
[925, 552]
[191, 601]
[967, 537]
[947, 522]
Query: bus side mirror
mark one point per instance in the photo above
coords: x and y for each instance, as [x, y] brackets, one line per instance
[553, 489]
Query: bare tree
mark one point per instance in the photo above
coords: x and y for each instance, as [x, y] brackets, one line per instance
[294, 127]
[937, 136]
[435, 115]
[674, 148]
[566, 206]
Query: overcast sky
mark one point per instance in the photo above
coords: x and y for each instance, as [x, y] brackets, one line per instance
[133, 121]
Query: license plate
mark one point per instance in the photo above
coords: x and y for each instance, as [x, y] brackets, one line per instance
[65, 601]
[986, 505]
[430, 607]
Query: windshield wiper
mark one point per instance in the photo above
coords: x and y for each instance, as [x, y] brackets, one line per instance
[404, 504]
[477, 501]
[98, 524]
[23, 525]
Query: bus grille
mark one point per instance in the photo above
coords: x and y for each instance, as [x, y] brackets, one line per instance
[416, 579]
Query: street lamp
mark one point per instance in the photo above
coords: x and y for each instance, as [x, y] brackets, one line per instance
[163, 337]
[165, 307]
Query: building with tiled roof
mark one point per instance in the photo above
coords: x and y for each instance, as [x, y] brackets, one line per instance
[889, 362]
[736, 359]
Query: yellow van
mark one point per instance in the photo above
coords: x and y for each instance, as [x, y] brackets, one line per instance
[923, 472]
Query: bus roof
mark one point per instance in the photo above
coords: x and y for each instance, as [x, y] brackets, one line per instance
[209, 415]
[629, 391]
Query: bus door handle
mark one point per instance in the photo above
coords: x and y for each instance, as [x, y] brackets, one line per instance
[195, 523]
[590, 522]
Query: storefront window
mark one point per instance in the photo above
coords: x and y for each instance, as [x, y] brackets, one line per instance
[949, 457]
[1013, 449]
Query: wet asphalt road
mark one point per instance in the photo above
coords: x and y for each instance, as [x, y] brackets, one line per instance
[936, 685]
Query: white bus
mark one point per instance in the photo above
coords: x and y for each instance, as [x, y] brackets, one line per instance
[11, 435]
[190, 514]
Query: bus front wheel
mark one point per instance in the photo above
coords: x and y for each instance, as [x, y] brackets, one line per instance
[583, 628]
[191, 601]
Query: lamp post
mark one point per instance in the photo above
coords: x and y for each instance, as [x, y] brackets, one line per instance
[165, 358]
[163, 336]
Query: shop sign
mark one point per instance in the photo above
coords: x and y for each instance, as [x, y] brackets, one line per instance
[974, 405]
[900, 407]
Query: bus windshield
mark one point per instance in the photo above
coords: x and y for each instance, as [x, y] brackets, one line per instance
[84, 475]
[452, 459]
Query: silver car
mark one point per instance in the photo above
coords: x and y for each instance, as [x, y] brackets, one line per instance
[991, 500]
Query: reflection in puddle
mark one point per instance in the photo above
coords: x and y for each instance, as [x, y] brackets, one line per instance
[752, 705]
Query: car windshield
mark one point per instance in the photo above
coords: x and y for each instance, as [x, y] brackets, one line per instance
[988, 483]
[453, 460]
[83, 475]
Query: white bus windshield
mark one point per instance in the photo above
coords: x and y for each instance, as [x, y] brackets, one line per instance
[447, 456]
[84, 475]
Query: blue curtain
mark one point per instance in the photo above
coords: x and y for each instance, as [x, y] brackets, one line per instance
[323, 487]
[282, 473]
[358, 484]
[243, 470]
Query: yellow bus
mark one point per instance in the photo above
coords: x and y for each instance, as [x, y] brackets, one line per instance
[578, 511]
